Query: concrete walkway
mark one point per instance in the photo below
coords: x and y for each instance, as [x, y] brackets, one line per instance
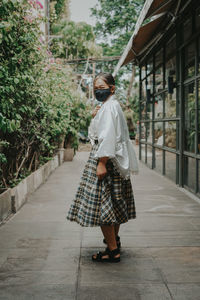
[44, 256]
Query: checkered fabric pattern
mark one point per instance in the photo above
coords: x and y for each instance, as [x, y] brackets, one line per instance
[102, 202]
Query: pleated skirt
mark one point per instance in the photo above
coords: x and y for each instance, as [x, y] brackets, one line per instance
[102, 202]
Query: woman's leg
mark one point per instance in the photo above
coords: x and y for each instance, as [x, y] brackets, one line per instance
[109, 235]
[117, 229]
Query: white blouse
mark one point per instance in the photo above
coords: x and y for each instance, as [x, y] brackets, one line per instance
[110, 128]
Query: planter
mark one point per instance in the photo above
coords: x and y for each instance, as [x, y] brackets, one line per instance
[68, 154]
[5, 204]
[11, 200]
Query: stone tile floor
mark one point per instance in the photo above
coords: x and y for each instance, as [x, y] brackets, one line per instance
[44, 256]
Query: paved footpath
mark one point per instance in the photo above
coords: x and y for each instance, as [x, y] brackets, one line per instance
[44, 256]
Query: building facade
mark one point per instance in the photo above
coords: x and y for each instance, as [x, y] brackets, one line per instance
[167, 51]
[170, 103]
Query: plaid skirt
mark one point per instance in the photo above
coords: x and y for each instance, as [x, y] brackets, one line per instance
[102, 202]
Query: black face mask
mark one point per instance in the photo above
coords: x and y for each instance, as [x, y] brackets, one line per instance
[102, 95]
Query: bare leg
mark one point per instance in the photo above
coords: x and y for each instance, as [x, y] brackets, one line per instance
[109, 235]
[117, 229]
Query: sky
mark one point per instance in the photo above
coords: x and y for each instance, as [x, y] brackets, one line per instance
[80, 10]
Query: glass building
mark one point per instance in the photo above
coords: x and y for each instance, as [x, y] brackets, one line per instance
[167, 51]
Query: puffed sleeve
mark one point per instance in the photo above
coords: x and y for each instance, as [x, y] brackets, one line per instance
[106, 131]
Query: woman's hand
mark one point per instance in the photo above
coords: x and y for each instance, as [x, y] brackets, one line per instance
[95, 111]
[101, 168]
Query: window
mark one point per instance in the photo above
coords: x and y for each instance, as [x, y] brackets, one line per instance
[187, 29]
[150, 65]
[170, 134]
[158, 106]
[159, 71]
[158, 133]
[170, 165]
[197, 18]
[158, 159]
[189, 172]
[189, 60]
[189, 128]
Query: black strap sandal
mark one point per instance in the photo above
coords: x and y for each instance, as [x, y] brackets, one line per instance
[111, 256]
[117, 240]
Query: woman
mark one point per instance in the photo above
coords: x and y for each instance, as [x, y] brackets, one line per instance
[105, 197]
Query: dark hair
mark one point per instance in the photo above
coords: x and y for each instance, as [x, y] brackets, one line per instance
[107, 77]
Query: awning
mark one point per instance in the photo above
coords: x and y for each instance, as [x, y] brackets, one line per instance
[143, 35]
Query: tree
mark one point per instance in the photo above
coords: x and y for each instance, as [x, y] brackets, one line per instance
[115, 22]
[75, 40]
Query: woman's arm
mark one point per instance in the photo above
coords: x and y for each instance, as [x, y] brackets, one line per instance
[101, 167]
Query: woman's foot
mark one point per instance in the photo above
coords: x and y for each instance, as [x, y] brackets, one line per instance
[107, 256]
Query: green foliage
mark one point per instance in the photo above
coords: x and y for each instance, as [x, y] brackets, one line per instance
[115, 23]
[76, 40]
[38, 103]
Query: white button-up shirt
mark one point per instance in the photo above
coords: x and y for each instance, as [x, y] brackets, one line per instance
[110, 128]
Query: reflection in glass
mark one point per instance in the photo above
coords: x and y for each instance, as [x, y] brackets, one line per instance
[187, 29]
[143, 132]
[170, 104]
[149, 131]
[189, 166]
[158, 133]
[199, 176]
[170, 134]
[189, 129]
[150, 65]
[197, 18]
[143, 72]
[170, 48]
[143, 152]
[143, 90]
[198, 116]
[170, 165]
[198, 55]
[159, 106]
[143, 109]
[189, 60]
[158, 159]
[149, 156]
[149, 110]
[159, 71]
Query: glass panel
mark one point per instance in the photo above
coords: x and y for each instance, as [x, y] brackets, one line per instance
[143, 132]
[170, 48]
[143, 72]
[170, 165]
[143, 152]
[189, 60]
[158, 159]
[149, 156]
[198, 116]
[158, 133]
[170, 134]
[159, 71]
[143, 90]
[149, 110]
[187, 29]
[170, 104]
[143, 109]
[149, 131]
[189, 132]
[159, 106]
[150, 65]
[198, 55]
[197, 18]
[199, 176]
[189, 172]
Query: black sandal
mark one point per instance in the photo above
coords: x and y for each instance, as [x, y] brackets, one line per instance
[110, 253]
[117, 240]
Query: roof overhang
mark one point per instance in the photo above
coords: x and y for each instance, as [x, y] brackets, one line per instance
[158, 11]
